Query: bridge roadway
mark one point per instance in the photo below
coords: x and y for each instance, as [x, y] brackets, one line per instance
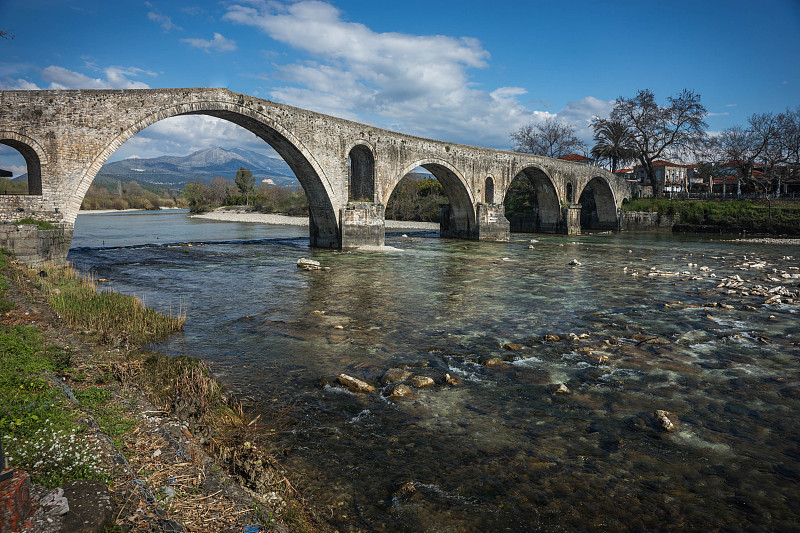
[348, 170]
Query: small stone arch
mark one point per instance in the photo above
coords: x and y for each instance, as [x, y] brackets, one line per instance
[598, 205]
[461, 221]
[488, 190]
[322, 197]
[34, 157]
[361, 172]
[545, 208]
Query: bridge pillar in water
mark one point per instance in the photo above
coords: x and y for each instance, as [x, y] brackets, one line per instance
[453, 226]
[492, 223]
[363, 224]
[572, 219]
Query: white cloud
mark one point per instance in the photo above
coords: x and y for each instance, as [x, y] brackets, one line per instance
[164, 21]
[9, 84]
[418, 84]
[116, 78]
[186, 134]
[218, 44]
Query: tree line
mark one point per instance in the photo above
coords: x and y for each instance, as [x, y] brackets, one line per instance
[641, 130]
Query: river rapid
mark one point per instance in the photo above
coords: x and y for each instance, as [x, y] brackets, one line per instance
[645, 322]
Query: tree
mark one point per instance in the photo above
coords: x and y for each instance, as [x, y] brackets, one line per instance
[613, 142]
[550, 138]
[246, 183]
[743, 147]
[661, 131]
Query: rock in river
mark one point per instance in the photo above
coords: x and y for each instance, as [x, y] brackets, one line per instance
[421, 382]
[400, 391]
[353, 384]
[393, 375]
[666, 420]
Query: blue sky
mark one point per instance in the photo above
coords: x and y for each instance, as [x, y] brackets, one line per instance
[462, 71]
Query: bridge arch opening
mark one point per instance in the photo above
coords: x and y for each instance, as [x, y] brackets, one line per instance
[488, 190]
[19, 159]
[323, 220]
[598, 208]
[531, 203]
[433, 190]
[361, 174]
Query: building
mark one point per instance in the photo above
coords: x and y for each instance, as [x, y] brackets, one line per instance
[576, 158]
[674, 176]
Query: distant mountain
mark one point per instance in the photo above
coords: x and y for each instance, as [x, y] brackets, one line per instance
[177, 171]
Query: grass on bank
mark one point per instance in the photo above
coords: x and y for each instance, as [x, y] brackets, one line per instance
[781, 216]
[41, 429]
[111, 318]
[46, 434]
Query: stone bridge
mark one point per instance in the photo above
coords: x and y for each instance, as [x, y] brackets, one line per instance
[348, 170]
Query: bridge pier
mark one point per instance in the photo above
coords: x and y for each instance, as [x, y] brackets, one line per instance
[572, 219]
[363, 224]
[492, 223]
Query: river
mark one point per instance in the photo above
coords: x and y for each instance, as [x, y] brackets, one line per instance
[641, 324]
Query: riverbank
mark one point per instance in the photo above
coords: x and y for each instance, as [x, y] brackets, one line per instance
[760, 216]
[157, 435]
[228, 215]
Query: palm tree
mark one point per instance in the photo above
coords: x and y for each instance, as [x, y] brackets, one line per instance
[613, 142]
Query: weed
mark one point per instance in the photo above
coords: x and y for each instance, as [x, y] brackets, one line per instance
[41, 224]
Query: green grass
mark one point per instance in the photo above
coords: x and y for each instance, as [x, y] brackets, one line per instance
[41, 224]
[40, 426]
[758, 215]
[111, 318]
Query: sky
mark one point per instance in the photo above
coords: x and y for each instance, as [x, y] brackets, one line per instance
[462, 71]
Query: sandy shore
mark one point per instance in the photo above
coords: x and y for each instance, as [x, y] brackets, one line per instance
[284, 220]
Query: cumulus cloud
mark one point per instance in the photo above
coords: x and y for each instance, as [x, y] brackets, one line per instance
[417, 83]
[19, 84]
[186, 134]
[217, 44]
[116, 78]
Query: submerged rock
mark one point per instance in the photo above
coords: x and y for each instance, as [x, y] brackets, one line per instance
[559, 388]
[400, 391]
[421, 382]
[513, 346]
[575, 262]
[393, 375]
[666, 420]
[310, 264]
[493, 361]
[453, 381]
[552, 338]
[354, 384]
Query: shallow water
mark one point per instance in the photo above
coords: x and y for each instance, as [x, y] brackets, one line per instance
[499, 452]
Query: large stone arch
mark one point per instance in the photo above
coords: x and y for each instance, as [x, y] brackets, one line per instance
[546, 215]
[322, 198]
[461, 220]
[33, 154]
[598, 204]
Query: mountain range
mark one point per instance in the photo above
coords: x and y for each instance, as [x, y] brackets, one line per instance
[204, 165]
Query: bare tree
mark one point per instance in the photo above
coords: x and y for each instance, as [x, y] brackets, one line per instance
[661, 131]
[760, 142]
[550, 138]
